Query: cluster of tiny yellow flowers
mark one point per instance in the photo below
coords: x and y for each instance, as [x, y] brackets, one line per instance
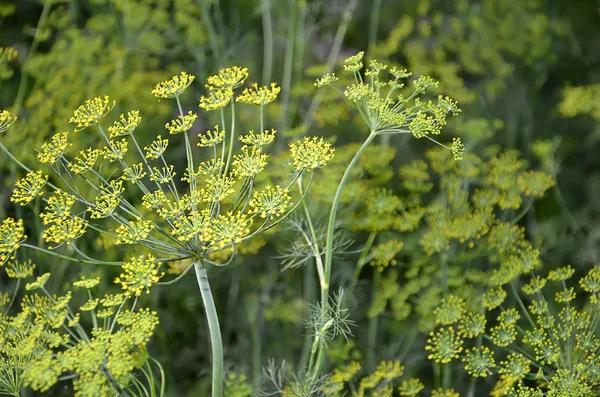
[173, 87]
[12, 233]
[271, 201]
[91, 112]
[259, 96]
[125, 125]
[310, 153]
[51, 151]
[6, 120]
[181, 123]
[139, 274]
[28, 188]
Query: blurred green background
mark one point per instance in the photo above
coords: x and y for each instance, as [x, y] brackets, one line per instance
[522, 71]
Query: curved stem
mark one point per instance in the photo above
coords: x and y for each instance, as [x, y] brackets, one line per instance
[69, 258]
[213, 327]
[329, 240]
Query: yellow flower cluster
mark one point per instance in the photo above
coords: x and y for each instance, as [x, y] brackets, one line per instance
[216, 99]
[271, 201]
[28, 188]
[58, 208]
[228, 229]
[91, 112]
[173, 87]
[134, 232]
[51, 151]
[309, 154]
[6, 120]
[156, 148]
[181, 123]
[85, 161]
[125, 125]
[211, 138]
[115, 150]
[20, 269]
[259, 96]
[139, 274]
[65, 231]
[12, 233]
[107, 199]
[231, 77]
[249, 163]
[134, 173]
[258, 139]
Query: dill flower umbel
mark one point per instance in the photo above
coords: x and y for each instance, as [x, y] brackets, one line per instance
[310, 153]
[139, 274]
[28, 188]
[91, 112]
[271, 201]
[125, 125]
[11, 234]
[6, 120]
[181, 123]
[259, 96]
[173, 87]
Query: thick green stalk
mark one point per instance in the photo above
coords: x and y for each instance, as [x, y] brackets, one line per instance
[213, 328]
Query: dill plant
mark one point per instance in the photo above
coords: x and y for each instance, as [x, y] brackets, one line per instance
[199, 223]
[388, 108]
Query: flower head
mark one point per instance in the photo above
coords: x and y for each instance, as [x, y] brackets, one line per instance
[444, 345]
[6, 120]
[310, 153]
[229, 229]
[211, 138]
[216, 99]
[125, 125]
[85, 161]
[51, 151]
[58, 208]
[231, 77]
[91, 112]
[11, 234]
[156, 148]
[28, 188]
[181, 123]
[139, 274]
[259, 96]
[271, 201]
[173, 87]
[20, 269]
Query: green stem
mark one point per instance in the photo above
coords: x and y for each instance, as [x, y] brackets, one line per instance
[32, 49]
[69, 258]
[362, 260]
[213, 328]
[265, 9]
[288, 63]
[330, 231]
[373, 325]
[231, 138]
